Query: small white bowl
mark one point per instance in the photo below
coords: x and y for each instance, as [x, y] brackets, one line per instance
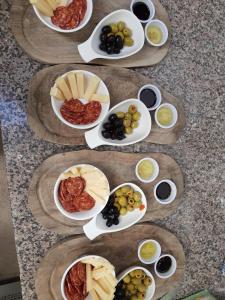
[151, 289]
[89, 50]
[151, 7]
[81, 215]
[173, 194]
[94, 136]
[174, 112]
[97, 225]
[68, 269]
[155, 171]
[171, 271]
[102, 89]
[155, 257]
[162, 27]
[47, 20]
[155, 90]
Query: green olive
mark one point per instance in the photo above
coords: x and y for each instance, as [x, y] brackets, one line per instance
[128, 116]
[122, 201]
[137, 196]
[128, 42]
[120, 34]
[147, 281]
[136, 281]
[127, 123]
[133, 297]
[134, 124]
[125, 189]
[138, 273]
[120, 114]
[126, 279]
[132, 109]
[118, 193]
[141, 296]
[131, 201]
[121, 26]
[137, 204]
[117, 205]
[136, 116]
[141, 288]
[127, 32]
[123, 211]
[130, 208]
[130, 287]
[132, 273]
[130, 193]
[114, 28]
[128, 130]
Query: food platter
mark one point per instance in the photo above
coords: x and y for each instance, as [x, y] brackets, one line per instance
[121, 83]
[58, 258]
[40, 196]
[49, 46]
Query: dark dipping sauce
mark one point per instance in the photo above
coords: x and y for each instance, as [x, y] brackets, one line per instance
[164, 264]
[163, 191]
[141, 11]
[148, 97]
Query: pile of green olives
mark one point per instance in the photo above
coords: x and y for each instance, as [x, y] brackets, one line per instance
[126, 199]
[114, 37]
[130, 118]
[136, 284]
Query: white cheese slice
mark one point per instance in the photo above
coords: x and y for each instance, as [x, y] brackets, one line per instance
[75, 171]
[100, 98]
[62, 85]
[43, 6]
[66, 175]
[80, 84]
[73, 84]
[92, 87]
[87, 169]
[103, 193]
[55, 92]
[52, 3]
[95, 196]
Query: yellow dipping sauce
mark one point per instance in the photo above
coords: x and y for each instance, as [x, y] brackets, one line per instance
[148, 250]
[154, 34]
[165, 116]
[145, 169]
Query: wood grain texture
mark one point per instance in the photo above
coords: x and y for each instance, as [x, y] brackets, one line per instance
[49, 46]
[122, 84]
[119, 248]
[118, 167]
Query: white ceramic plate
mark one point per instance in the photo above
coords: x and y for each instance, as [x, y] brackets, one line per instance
[98, 226]
[47, 20]
[89, 50]
[102, 89]
[94, 137]
[82, 215]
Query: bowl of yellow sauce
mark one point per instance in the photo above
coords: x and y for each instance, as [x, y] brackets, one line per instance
[156, 33]
[147, 169]
[166, 115]
[149, 251]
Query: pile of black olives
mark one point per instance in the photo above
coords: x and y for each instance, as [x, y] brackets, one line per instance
[120, 293]
[110, 213]
[114, 37]
[114, 129]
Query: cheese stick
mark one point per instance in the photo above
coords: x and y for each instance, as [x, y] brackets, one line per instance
[89, 278]
[105, 285]
[100, 98]
[43, 6]
[52, 3]
[92, 87]
[55, 92]
[99, 273]
[94, 295]
[73, 84]
[111, 279]
[80, 84]
[62, 85]
[101, 293]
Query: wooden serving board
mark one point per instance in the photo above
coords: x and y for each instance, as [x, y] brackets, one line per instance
[118, 167]
[49, 46]
[119, 248]
[122, 84]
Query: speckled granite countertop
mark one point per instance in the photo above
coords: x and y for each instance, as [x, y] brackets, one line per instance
[194, 70]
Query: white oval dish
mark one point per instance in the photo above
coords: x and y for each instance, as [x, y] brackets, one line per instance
[155, 173]
[102, 89]
[94, 137]
[173, 194]
[171, 271]
[155, 257]
[98, 226]
[151, 7]
[151, 289]
[156, 90]
[89, 50]
[82, 215]
[70, 266]
[162, 26]
[174, 112]
[47, 20]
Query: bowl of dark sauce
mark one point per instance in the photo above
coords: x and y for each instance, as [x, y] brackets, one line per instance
[165, 191]
[165, 266]
[150, 95]
[144, 10]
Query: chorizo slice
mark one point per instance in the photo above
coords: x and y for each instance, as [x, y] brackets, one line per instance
[85, 201]
[81, 271]
[75, 186]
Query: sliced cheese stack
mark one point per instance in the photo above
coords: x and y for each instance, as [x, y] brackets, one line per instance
[73, 86]
[46, 7]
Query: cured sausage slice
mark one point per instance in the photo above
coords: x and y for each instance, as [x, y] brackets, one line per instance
[75, 186]
[85, 201]
[81, 271]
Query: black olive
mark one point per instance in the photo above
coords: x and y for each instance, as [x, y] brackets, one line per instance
[119, 42]
[103, 37]
[109, 223]
[102, 47]
[118, 122]
[116, 221]
[110, 40]
[109, 50]
[116, 51]
[106, 134]
[121, 137]
[113, 117]
[108, 126]
[106, 29]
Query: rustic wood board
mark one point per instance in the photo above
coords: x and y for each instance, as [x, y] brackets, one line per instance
[49, 46]
[119, 248]
[122, 84]
[40, 196]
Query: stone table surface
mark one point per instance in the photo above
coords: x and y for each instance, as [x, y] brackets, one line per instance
[194, 70]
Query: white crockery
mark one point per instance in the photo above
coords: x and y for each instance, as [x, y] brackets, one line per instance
[155, 257]
[174, 113]
[47, 20]
[151, 7]
[155, 170]
[151, 289]
[162, 26]
[170, 272]
[155, 90]
[89, 50]
[97, 225]
[173, 194]
[102, 89]
[68, 269]
[94, 137]
[81, 215]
